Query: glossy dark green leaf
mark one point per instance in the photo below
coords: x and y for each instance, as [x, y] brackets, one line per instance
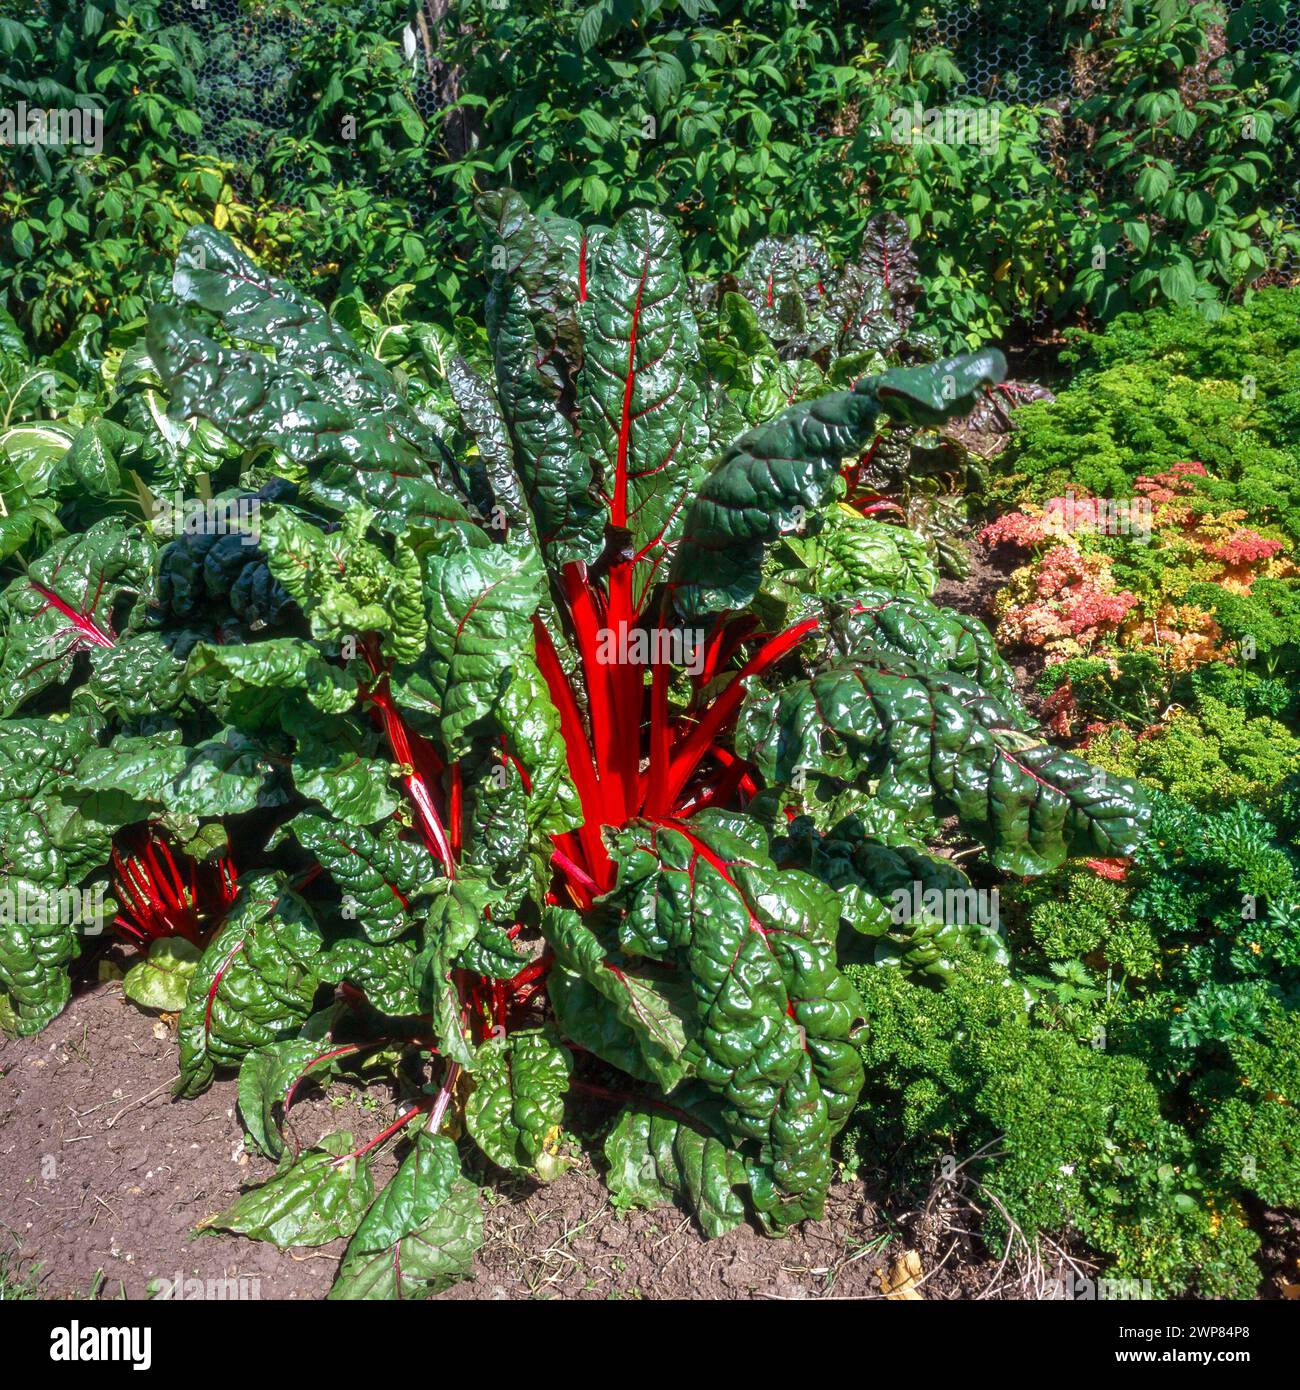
[325, 405]
[383, 973]
[657, 1155]
[480, 604]
[940, 745]
[255, 983]
[881, 621]
[553, 468]
[532, 726]
[772, 478]
[422, 1232]
[481, 412]
[381, 877]
[42, 839]
[900, 905]
[34, 959]
[140, 675]
[641, 404]
[634, 1019]
[774, 1015]
[214, 777]
[539, 256]
[517, 1105]
[249, 682]
[64, 605]
[321, 1196]
[266, 1077]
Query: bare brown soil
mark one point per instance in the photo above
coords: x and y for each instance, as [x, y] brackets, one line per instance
[103, 1179]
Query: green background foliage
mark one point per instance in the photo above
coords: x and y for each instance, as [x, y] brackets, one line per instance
[1143, 153]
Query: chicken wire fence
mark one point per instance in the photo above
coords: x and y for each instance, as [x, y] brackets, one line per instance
[255, 106]
[249, 99]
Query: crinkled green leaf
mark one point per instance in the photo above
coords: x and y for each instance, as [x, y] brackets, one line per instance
[481, 412]
[857, 312]
[499, 847]
[491, 953]
[940, 639]
[380, 876]
[248, 682]
[783, 278]
[782, 385]
[658, 1155]
[325, 405]
[140, 675]
[346, 584]
[900, 905]
[888, 256]
[770, 480]
[538, 256]
[215, 777]
[34, 960]
[774, 1016]
[422, 1232]
[851, 552]
[517, 1105]
[941, 745]
[90, 465]
[268, 1074]
[641, 406]
[333, 764]
[532, 725]
[32, 451]
[255, 983]
[162, 979]
[554, 471]
[34, 517]
[618, 1009]
[481, 603]
[42, 840]
[317, 1199]
[939, 391]
[64, 605]
[460, 905]
[220, 576]
[382, 972]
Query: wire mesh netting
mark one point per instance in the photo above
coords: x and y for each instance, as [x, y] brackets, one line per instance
[1016, 53]
[250, 98]
[265, 62]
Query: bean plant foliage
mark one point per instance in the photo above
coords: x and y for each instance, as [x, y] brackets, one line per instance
[568, 749]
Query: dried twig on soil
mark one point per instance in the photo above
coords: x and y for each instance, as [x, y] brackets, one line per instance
[140, 1100]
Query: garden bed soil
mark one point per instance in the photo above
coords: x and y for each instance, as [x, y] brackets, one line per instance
[103, 1180]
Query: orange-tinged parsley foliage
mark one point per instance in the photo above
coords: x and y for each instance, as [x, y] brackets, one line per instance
[1067, 601]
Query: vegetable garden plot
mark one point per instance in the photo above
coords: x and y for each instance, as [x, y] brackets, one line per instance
[494, 838]
[584, 729]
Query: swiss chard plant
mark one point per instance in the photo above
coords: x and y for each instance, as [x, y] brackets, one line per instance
[811, 308]
[586, 737]
[796, 326]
